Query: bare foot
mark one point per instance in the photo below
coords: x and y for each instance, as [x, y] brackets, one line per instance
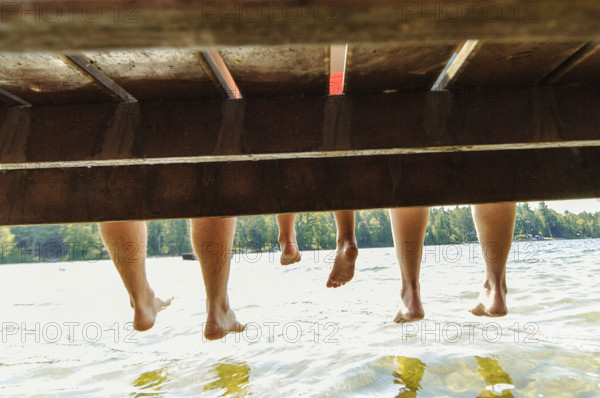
[290, 253]
[145, 311]
[219, 324]
[343, 265]
[411, 309]
[491, 302]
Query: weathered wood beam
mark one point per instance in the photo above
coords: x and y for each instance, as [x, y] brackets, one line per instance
[47, 78]
[165, 74]
[472, 119]
[83, 63]
[279, 71]
[106, 24]
[77, 194]
[512, 64]
[581, 68]
[377, 68]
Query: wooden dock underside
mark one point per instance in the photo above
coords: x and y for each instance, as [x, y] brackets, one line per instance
[117, 131]
[47, 25]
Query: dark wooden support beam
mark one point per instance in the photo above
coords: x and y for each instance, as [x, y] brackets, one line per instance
[378, 68]
[472, 119]
[10, 99]
[47, 78]
[87, 66]
[106, 24]
[512, 64]
[581, 68]
[63, 195]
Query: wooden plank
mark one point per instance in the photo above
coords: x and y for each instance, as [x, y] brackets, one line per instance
[502, 64]
[64, 195]
[159, 74]
[455, 64]
[279, 71]
[261, 128]
[87, 66]
[221, 73]
[377, 68]
[584, 68]
[9, 99]
[106, 24]
[46, 78]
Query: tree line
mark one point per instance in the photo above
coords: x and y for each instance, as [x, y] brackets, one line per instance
[82, 242]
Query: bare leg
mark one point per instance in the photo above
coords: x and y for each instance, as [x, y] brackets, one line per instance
[290, 253]
[346, 250]
[495, 223]
[212, 239]
[408, 229]
[126, 243]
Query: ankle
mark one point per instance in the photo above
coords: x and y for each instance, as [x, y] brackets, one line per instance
[495, 285]
[345, 242]
[410, 286]
[218, 307]
[285, 239]
[145, 296]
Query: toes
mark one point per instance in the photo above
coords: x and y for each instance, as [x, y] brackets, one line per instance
[162, 304]
[477, 311]
[481, 311]
[399, 318]
[239, 327]
[338, 281]
[332, 283]
[402, 318]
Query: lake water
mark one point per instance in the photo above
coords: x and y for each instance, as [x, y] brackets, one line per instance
[65, 329]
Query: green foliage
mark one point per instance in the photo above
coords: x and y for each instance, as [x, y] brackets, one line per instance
[6, 236]
[82, 242]
[256, 233]
[450, 226]
[51, 243]
[168, 237]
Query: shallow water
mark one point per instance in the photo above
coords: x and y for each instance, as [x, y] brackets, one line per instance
[65, 329]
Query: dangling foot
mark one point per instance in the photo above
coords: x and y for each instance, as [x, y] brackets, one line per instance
[343, 265]
[491, 301]
[411, 309]
[290, 253]
[145, 310]
[220, 323]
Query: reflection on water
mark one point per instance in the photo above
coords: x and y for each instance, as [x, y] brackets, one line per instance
[497, 382]
[152, 380]
[408, 375]
[232, 377]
